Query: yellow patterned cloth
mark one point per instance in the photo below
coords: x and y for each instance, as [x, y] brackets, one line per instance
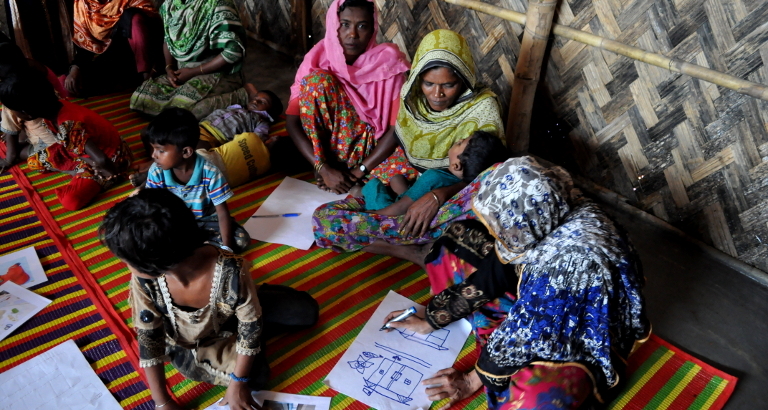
[427, 135]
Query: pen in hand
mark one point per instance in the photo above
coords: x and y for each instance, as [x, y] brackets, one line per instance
[399, 318]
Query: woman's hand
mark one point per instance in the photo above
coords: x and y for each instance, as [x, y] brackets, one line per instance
[170, 74]
[453, 384]
[185, 74]
[72, 83]
[412, 323]
[337, 181]
[419, 215]
[238, 396]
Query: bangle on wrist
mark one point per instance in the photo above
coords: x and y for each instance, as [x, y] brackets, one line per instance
[239, 379]
[160, 406]
[167, 66]
[201, 69]
[319, 166]
[436, 198]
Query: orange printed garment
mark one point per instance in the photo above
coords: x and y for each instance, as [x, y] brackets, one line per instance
[95, 19]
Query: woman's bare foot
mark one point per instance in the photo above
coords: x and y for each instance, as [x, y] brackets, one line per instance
[412, 253]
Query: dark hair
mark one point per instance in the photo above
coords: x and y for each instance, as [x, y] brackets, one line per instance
[361, 4]
[11, 59]
[29, 92]
[483, 150]
[152, 231]
[174, 126]
[276, 108]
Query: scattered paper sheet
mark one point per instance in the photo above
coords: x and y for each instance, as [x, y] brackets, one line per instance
[22, 268]
[17, 305]
[270, 400]
[385, 369]
[59, 379]
[292, 196]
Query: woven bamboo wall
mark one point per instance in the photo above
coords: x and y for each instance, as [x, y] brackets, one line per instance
[689, 152]
[270, 22]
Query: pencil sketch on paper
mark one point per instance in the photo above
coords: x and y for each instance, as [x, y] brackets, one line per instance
[435, 340]
[387, 377]
[402, 355]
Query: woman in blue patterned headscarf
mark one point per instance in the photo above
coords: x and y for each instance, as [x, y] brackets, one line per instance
[550, 285]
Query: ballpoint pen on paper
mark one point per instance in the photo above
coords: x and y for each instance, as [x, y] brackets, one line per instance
[399, 318]
[276, 216]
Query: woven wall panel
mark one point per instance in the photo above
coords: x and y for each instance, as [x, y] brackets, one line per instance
[688, 151]
[270, 21]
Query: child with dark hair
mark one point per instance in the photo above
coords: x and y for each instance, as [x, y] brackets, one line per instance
[195, 304]
[467, 158]
[173, 135]
[73, 139]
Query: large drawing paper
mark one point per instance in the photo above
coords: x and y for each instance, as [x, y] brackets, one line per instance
[385, 369]
[292, 196]
[58, 379]
[20, 264]
[270, 400]
[17, 305]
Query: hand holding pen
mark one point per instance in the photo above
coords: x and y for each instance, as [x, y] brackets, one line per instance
[406, 319]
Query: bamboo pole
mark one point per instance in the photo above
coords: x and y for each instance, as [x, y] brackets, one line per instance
[678, 66]
[527, 72]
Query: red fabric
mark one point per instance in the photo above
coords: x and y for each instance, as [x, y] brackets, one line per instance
[77, 193]
[97, 128]
[140, 43]
[58, 84]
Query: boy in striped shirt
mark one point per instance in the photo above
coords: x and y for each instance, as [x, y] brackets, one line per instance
[174, 135]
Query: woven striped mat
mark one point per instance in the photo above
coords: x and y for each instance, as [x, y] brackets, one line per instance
[71, 315]
[347, 286]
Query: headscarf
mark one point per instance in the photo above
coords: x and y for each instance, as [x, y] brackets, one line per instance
[194, 28]
[579, 296]
[372, 82]
[93, 21]
[427, 135]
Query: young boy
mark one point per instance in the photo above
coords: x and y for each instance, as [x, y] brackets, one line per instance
[173, 136]
[467, 159]
[194, 303]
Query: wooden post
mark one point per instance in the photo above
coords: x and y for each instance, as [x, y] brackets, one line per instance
[535, 37]
[739, 85]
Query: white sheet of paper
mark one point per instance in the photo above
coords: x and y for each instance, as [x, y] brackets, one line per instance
[270, 400]
[28, 261]
[385, 369]
[292, 196]
[59, 379]
[17, 305]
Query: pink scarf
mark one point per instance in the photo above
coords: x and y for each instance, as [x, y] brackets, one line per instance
[372, 82]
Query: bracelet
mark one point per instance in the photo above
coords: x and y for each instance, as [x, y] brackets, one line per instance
[239, 379]
[319, 166]
[167, 66]
[159, 406]
[227, 248]
[436, 198]
[201, 69]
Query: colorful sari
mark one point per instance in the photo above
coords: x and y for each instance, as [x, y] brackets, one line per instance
[345, 226]
[558, 312]
[427, 135]
[344, 109]
[195, 32]
[94, 21]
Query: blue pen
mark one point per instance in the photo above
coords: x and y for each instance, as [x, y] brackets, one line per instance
[399, 318]
[276, 216]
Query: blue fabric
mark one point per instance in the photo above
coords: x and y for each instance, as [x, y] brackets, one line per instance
[206, 188]
[378, 196]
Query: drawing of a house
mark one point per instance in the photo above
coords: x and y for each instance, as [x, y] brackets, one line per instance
[434, 340]
[387, 377]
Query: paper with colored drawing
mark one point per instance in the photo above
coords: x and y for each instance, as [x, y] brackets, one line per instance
[385, 369]
[292, 196]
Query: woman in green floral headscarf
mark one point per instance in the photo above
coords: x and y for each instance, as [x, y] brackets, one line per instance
[204, 48]
[441, 103]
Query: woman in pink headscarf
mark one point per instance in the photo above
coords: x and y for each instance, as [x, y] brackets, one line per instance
[345, 98]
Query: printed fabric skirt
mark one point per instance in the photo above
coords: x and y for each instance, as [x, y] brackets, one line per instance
[332, 125]
[345, 226]
[201, 94]
[536, 386]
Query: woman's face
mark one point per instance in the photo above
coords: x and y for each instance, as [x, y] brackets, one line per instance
[442, 87]
[355, 31]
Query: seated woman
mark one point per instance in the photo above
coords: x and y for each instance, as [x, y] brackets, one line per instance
[442, 103]
[344, 98]
[117, 46]
[204, 46]
[74, 140]
[551, 287]
[195, 304]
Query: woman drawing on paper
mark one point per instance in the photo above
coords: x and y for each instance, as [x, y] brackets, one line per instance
[550, 286]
